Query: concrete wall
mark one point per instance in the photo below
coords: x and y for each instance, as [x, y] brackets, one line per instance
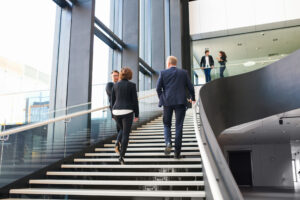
[271, 164]
[217, 15]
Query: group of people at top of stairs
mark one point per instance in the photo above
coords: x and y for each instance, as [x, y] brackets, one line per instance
[171, 89]
[207, 63]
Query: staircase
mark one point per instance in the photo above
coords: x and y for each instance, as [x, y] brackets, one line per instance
[147, 173]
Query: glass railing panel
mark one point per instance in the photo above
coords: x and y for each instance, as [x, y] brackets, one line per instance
[233, 68]
[26, 152]
[19, 108]
[26, 107]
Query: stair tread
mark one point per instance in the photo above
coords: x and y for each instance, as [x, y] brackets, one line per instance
[153, 144]
[115, 182]
[137, 160]
[142, 154]
[157, 140]
[96, 192]
[130, 166]
[148, 174]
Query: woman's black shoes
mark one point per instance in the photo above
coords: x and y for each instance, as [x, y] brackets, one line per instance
[121, 160]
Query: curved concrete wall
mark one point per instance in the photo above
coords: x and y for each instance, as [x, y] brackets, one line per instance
[255, 95]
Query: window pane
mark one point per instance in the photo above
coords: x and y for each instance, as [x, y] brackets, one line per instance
[103, 10]
[100, 74]
[145, 31]
[26, 50]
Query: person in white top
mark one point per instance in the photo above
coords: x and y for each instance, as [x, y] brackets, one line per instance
[125, 107]
[206, 64]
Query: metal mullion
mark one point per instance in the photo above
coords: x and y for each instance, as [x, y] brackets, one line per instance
[109, 32]
[61, 3]
[106, 39]
[146, 66]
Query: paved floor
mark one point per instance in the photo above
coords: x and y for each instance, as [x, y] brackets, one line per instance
[269, 194]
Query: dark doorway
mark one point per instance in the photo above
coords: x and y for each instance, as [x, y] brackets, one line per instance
[240, 166]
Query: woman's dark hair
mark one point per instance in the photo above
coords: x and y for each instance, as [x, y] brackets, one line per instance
[126, 73]
[223, 55]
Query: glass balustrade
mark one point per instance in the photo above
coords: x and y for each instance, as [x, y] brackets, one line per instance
[25, 152]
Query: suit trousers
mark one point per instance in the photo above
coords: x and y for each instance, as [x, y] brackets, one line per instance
[207, 74]
[119, 136]
[125, 123]
[167, 120]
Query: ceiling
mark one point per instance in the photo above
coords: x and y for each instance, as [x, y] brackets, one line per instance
[251, 45]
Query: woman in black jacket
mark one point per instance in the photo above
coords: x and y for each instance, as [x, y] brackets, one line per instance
[222, 60]
[125, 107]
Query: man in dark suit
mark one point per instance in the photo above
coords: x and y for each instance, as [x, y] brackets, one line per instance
[171, 90]
[207, 63]
[109, 88]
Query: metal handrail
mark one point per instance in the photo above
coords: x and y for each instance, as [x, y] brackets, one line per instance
[226, 182]
[211, 177]
[69, 116]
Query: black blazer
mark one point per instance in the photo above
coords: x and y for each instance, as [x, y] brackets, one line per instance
[108, 88]
[171, 87]
[124, 96]
[203, 61]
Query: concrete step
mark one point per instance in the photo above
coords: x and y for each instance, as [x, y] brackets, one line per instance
[115, 193]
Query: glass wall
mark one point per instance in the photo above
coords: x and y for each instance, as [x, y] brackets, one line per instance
[26, 48]
[243, 54]
[102, 54]
[145, 31]
[100, 73]
[144, 81]
[103, 11]
[145, 43]
[167, 29]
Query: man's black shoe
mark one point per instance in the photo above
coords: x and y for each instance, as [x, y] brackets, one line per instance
[177, 155]
[168, 149]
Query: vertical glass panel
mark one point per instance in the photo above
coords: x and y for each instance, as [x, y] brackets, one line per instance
[244, 55]
[100, 74]
[26, 48]
[103, 11]
[145, 82]
[145, 31]
[167, 28]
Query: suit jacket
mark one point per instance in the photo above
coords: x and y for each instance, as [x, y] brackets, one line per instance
[124, 97]
[203, 61]
[108, 88]
[171, 87]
